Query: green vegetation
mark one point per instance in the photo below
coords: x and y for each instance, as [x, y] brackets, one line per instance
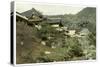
[58, 46]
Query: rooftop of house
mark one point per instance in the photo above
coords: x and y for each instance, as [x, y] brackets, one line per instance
[54, 20]
[21, 16]
[30, 12]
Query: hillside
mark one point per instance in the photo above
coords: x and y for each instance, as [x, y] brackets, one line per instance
[87, 12]
[43, 43]
[87, 18]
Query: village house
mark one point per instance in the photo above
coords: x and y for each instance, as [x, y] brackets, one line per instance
[34, 16]
[35, 19]
[20, 18]
[29, 13]
[55, 22]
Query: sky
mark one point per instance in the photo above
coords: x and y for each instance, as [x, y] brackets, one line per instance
[48, 9]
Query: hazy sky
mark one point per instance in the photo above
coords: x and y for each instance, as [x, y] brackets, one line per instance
[48, 9]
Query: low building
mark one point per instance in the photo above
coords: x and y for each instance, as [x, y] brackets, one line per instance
[20, 17]
[35, 19]
[34, 16]
[55, 22]
[30, 12]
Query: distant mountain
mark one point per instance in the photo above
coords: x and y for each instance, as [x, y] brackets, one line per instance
[29, 13]
[87, 12]
[87, 18]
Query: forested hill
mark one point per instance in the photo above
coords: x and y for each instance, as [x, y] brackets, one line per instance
[87, 18]
[87, 12]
